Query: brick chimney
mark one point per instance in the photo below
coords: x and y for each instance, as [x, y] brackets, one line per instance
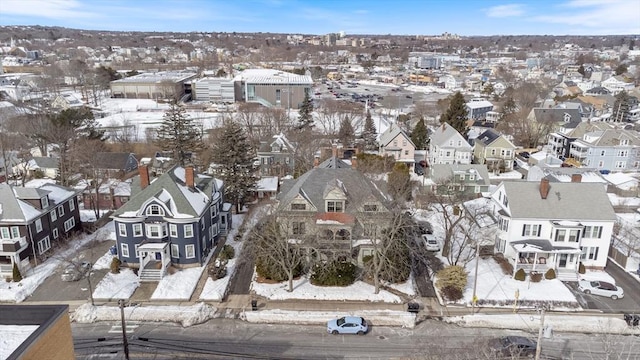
[576, 178]
[544, 188]
[143, 170]
[189, 176]
[334, 150]
[354, 162]
[316, 161]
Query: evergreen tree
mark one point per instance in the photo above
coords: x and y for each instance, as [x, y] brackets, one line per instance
[456, 114]
[179, 134]
[369, 133]
[17, 276]
[233, 155]
[420, 136]
[621, 107]
[346, 134]
[621, 69]
[305, 116]
[581, 70]
[399, 182]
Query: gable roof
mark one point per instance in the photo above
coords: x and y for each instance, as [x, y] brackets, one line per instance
[14, 208]
[171, 189]
[391, 133]
[565, 201]
[489, 137]
[440, 172]
[43, 163]
[445, 132]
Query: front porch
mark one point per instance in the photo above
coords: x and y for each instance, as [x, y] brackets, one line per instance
[154, 261]
[538, 255]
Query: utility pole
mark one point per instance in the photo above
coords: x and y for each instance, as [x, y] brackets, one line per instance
[125, 344]
[474, 298]
[539, 344]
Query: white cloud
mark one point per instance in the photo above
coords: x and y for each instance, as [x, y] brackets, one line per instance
[600, 17]
[55, 9]
[505, 10]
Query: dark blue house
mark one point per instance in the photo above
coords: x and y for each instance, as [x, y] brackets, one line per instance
[175, 219]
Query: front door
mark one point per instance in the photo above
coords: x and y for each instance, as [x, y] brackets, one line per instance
[158, 256]
[563, 261]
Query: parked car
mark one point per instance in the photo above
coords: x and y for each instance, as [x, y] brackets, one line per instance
[601, 288]
[348, 325]
[425, 227]
[513, 347]
[75, 272]
[524, 154]
[430, 242]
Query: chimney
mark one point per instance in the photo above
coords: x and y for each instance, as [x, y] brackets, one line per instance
[576, 178]
[189, 176]
[316, 161]
[354, 162]
[544, 188]
[143, 170]
[334, 150]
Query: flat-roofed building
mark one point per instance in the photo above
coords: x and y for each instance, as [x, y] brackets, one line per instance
[272, 88]
[214, 89]
[159, 85]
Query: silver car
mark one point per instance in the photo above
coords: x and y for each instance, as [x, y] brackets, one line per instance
[601, 288]
[75, 272]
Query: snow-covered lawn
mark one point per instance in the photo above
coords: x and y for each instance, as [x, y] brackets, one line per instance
[104, 262]
[214, 290]
[569, 323]
[185, 315]
[304, 290]
[17, 292]
[408, 287]
[494, 288]
[178, 286]
[117, 286]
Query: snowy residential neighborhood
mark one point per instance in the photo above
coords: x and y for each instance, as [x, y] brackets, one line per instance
[260, 195]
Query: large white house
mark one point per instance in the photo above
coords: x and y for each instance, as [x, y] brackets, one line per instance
[447, 146]
[553, 225]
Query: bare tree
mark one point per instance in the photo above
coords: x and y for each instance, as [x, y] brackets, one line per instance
[627, 237]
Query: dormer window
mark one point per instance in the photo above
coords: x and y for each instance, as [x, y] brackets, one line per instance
[624, 141]
[298, 207]
[155, 210]
[335, 206]
[44, 202]
[370, 208]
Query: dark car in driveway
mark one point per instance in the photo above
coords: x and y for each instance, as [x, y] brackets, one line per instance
[513, 347]
[75, 272]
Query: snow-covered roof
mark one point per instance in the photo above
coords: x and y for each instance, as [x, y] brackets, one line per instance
[270, 76]
[268, 183]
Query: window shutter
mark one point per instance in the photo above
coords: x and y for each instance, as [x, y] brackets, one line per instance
[539, 228]
[599, 232]
[524, 228]
[595, 254]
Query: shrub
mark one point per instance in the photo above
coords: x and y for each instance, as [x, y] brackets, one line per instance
[115, 265]
[520, 275]
[270, 270]
[550, 274]
[505, 265]
[17, 277]
[335, 273]
[536, 277]
[581, 268]
[452, 276]
[227, 253]
[452, 293]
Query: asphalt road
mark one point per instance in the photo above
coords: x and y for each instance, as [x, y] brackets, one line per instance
[234, 339]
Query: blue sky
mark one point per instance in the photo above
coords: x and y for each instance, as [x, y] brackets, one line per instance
[425, 17]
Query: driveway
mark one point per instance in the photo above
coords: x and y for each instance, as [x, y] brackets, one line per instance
[629, 304]
[54, 289]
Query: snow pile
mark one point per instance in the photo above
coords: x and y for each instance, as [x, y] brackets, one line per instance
[373, 317]
[117, 286]
[567, 323]
[303, 289]
[103, 262]
[12, 336]
[597, 275]
[214, 290]
[184, 315]
[408, 287]
[17, 292]
[178, 286]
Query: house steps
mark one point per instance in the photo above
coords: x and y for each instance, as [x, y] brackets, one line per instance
[150, 275]
[567, 276]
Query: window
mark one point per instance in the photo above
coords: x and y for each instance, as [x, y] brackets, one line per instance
[214, 230]
[122, 229]
[574, 235]
[155, 231]
[137, 229]
[54, 216]
[214, 210]
[173, 230]
[124, 250]
[277, 95]
[175, 250]
[472, 177]
[44, 245]
[335, 206]
[297, 228]
[370, 208]
[190, 251]
[593, 232]
[297, 207]
[448, 153]
[137, 252]
[202, 224]
[593, 253]
[72, 205]
[406, 152]
[493, 151]
[38, 225]
[55, 233]
[404, 142]
[560, 234]
[395, 143]
[531, 230]
[124, 199]
[15, 232]
[44, 202]
[619, 165]
[600, 163]
[155, 209]
[4, 233]
[60, 210]
[188, 231]
[623, 153]
[603, 153]
[624, 142]
[69, 224]
[369, 229]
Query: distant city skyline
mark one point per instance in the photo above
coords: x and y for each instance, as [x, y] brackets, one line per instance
[399, 17]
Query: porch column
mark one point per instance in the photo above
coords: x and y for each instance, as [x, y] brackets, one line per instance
[535, 261]
[515, 267]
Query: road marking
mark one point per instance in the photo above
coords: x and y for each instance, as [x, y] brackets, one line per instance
[117, 329]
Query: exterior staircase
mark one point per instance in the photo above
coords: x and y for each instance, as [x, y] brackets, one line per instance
[567, 275]
[151, 274]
